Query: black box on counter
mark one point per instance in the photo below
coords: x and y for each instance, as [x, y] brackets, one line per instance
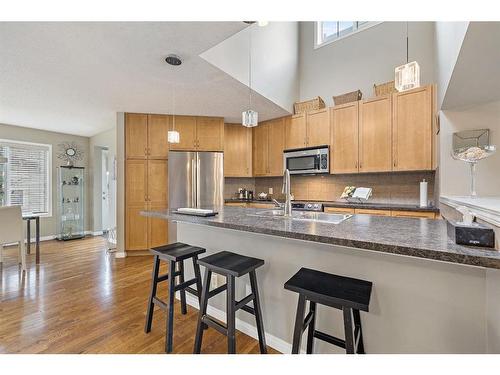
[475, 235]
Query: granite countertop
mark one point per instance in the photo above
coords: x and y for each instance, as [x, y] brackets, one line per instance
[421, 238]
[367, 205]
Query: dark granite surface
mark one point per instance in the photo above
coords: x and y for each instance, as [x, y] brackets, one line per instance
[422, 238]
[369, 205]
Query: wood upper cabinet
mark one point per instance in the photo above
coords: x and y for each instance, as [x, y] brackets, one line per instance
[237, 151]
[268, 145]
[186, 126]
[210, 133]
[375, 134]
[199, 133]
[260, 149]
[318, 127]
[276, 145]
[296, 132]
[136, 136]
[344, 152]
[158, 127]
[413, 131]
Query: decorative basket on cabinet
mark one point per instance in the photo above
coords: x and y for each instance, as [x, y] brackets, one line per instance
[384, 88]
[349, 97]
[308, 105]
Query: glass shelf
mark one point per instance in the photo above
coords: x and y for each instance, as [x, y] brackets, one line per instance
[71, 190]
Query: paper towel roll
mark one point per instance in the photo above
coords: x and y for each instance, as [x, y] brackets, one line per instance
[423, 193]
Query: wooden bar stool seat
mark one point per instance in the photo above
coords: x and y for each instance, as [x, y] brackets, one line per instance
[230, 265]
[343, 293]
[174, 254]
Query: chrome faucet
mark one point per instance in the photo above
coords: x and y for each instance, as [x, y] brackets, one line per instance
[286, 190]
[276, 203]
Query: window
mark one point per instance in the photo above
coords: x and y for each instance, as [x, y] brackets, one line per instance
[329, 31]
[25, 176]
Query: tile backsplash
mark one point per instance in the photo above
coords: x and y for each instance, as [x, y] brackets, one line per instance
[400, 188]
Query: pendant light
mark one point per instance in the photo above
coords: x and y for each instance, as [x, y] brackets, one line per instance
[249, 118]
[407, 76]
[173, 135]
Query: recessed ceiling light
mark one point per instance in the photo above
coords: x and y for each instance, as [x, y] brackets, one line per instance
[173, 60]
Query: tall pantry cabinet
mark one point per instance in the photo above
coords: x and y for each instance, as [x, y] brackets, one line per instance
[146, 179]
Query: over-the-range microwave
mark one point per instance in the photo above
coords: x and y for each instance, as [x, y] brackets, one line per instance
[311, 160]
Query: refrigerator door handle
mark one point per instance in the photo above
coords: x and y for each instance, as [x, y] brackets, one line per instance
[193, 182]
[198, 198]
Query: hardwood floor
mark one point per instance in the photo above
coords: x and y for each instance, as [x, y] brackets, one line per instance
[82, 300]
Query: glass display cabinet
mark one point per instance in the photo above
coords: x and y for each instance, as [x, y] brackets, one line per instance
[71, 190]
[3, 180]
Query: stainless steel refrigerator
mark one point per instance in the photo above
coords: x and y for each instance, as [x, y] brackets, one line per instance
[195, 179]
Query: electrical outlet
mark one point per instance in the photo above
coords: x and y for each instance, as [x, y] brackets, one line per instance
[271, 191]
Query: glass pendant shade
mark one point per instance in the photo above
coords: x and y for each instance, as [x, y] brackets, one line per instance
[249, 118]
[407, 76]
[173, 136]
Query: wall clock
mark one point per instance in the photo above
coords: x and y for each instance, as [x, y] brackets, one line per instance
[70, 152]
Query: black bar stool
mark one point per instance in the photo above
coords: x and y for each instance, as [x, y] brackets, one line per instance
[230, 265]
[174, 254]
[343, 293]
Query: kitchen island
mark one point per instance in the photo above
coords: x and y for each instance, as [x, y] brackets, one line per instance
[429, 295]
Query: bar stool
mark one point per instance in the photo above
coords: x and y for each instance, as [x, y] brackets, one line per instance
[174, 254]
[230, 265]
[343, 293]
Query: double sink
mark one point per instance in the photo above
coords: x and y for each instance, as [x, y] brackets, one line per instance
[304, 216]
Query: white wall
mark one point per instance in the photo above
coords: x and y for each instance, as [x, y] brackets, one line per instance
[455, 175]
[362, 59]
[274, 60]
[49, 226]
[107, 140]
[449, 37]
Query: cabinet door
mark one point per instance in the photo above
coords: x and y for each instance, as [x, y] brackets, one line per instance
[339, 210]
[210, 133]
[158, 127]
[344, 138]
[375, 135]
[276, 144]
[412, 138]
[186, 126]
[260, 147]
[295, 133]
[136, 136]
[136, 182]
[414, 214]
[157, 228]
[158, 182]
[261, 205]
[136, 229]
[318, 128]
[237, 151]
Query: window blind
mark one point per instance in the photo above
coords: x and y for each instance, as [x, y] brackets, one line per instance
[27, 176]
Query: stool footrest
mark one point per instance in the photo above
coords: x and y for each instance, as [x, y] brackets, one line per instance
[329, 339]
[244, 302]
[193, 291]
[217, 290]
[248, 309]
[160, 303]
[166, 276]
[214, 324]
[185, 284]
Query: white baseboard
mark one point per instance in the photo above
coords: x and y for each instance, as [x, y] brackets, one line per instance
[120, 254]
[248, 329]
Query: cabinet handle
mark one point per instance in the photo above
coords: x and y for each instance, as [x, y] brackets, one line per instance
[145, 150]
[395, 163]
[360, 166]
[145, 198]
[356, 165]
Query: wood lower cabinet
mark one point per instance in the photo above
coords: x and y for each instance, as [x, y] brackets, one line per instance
[268, 145]
[199, 133]
[136, 229]
[375, 134]
[235, 204]
[372, 212]
[345, 138]
[157, 228]
[339, 210]
[414, 214]
[261, 205]
[237, 151]
[413, 136]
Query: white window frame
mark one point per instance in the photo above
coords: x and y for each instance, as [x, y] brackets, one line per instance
[49, 169]
[331, 39]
